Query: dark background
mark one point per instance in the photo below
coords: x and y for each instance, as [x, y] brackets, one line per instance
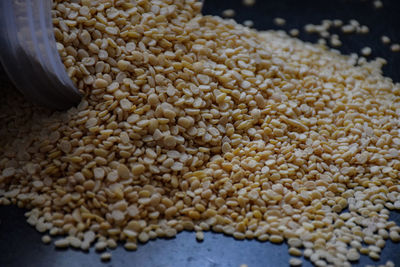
[20, 244]
[297, 13]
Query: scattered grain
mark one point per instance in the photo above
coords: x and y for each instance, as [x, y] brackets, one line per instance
[228, 13]
[106, 256]
[366, 51]
[199, 236]
[295, 262]
[279, 21]
[395, 47]
[249, 2]
[385, 39]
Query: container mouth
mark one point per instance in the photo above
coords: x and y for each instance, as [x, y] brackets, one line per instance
[29, 55]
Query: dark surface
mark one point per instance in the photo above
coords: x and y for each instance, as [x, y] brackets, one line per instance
[383, 21]
[20, 244]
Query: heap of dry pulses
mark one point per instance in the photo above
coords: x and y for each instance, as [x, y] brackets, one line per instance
[194, 122]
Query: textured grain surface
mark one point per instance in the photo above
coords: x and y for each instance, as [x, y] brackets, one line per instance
[222, 264]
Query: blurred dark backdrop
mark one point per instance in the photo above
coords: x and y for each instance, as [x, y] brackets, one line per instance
[297, 13]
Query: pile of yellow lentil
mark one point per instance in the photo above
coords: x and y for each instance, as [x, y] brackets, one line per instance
[192, 122]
